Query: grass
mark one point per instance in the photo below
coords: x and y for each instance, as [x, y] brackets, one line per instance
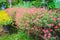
[21, 35]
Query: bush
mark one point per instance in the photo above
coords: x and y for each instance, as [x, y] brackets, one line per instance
[45, 23]
[20, 11]
[5, 19]
[50, 4]
[37, 3]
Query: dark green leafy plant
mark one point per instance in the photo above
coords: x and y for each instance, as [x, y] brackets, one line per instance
[2, 1]
[37, 3]
[50, 4]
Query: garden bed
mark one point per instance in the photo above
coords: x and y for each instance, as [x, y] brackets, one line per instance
[44, 24]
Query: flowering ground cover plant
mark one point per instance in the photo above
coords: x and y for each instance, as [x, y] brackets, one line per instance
[20, 11]
[41, 21]
[45, 23]
[4, 18]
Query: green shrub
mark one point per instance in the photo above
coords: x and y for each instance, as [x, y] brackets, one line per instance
[37, 3]
[24, 4]
[45, 23]
[50, 4]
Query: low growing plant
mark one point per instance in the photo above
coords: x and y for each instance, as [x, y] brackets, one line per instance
[5, 19]
[45, 23]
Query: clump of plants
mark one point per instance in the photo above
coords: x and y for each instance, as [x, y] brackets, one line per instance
[21, 35]
[16, 13]
[37, 3]
[43, 23]
[5, 19]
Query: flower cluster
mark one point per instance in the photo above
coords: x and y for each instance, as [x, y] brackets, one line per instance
[20, 12]
[45, 22]
[4, 18]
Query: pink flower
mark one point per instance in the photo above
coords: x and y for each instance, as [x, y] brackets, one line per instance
[51, 30]
[54, 19]
[49, 36]
[58, 19]
[39, 9]
[25, 17]
[36, 29]
[45, 31]
[22, 10]
[51, 16]
[52, 24]
[37, 19]
[50, 12]
[49, 24]
[10, 11]
[58, 24]
[56, 27]
[45, 35]
[31, 11]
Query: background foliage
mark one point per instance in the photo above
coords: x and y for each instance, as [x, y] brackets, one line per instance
[24, 3]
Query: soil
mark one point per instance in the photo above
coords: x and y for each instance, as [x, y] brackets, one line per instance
[2, 31]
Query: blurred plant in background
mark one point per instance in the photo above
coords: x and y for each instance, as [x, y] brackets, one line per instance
[29, 3]
[50, 4]
[25, 4]
[37, 3]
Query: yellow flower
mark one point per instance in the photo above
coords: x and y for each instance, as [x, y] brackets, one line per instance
[4, 18]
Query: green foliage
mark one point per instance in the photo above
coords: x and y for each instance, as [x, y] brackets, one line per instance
[50, 4]
[37, 3]
[2, 1]
[24, 4]
[21, 35]
[42, 21]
